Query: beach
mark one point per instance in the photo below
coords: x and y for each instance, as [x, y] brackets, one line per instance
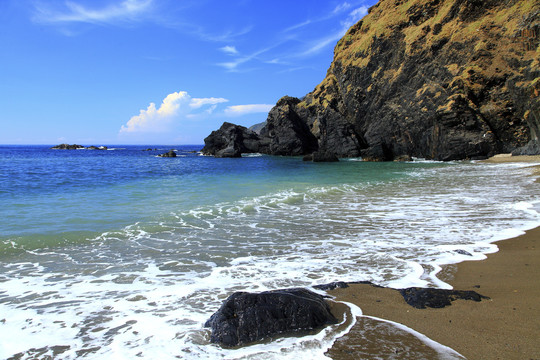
[506, 326]
[138, 273]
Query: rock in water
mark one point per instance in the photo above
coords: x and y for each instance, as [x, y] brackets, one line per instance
[247, 317]
[171, 153]
[68, 147]
[231, 141]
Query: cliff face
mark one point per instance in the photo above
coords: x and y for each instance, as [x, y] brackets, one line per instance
[439, 79]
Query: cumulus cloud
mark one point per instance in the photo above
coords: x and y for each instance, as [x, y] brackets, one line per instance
[127, 10]
[239, 110]
[173, 109]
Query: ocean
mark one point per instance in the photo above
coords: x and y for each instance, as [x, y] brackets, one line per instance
[120, 254]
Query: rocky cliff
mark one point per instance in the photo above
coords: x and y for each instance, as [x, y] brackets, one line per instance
[438, 79]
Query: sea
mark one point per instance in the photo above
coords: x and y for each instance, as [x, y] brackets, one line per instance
[121, 254]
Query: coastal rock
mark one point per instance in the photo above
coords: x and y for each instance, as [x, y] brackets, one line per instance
[422, 298]
[67, 147]
[247, 317]
[169, 154]
[532, 148]
[332, 286]
[96, 148]
[231, 141]
[439, 79]
[286, 132]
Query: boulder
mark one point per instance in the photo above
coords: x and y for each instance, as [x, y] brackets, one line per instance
[247, 317]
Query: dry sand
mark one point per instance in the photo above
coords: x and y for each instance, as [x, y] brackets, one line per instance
[505, 327]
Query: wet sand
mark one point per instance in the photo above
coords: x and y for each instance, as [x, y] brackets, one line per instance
[505, 327]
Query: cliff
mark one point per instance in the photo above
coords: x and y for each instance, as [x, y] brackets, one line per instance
[437, 79]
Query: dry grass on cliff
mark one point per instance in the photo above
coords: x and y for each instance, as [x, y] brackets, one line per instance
[492, 38]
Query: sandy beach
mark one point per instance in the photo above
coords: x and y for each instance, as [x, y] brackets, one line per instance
[507, 326]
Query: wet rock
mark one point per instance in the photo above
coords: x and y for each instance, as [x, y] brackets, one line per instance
[247, 317]
[422, 298]
[332, 286]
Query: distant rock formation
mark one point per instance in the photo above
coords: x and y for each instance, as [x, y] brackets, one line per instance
[436, 79]
[67, 147]
[169, 154]
[76, 147]
[247, 317]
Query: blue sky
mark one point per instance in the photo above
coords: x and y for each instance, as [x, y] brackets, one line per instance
[157, 71]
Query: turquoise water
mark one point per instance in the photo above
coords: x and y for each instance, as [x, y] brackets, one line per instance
[122, 254]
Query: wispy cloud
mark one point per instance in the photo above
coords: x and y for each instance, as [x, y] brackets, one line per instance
[241, 59]
[224, 36]
[352, 18]
[73, 12]
[239, 110]
[298, 26]
[174, 108]
[231, 50]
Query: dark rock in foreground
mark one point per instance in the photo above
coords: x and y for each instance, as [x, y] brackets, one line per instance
[67, 147]
[421, 298]
[171, 153]
[247, 317]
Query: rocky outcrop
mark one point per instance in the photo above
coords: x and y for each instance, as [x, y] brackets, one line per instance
[67, 147]
[231, 141]
[286, 131]
[169, 154]
[76, 147]
[436, 79]
[247, 317]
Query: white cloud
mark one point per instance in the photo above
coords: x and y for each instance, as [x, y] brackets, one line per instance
[174, 108]
[239, 110]
[319, 44]
[199, 102]
[126, 10]
[231, 50]
[341, 7]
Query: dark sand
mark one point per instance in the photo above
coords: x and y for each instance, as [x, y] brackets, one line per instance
[505, 327]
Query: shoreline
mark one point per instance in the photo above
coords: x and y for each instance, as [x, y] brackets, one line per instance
[503, 327]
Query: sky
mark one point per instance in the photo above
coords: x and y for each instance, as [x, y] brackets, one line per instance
[103, 72]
